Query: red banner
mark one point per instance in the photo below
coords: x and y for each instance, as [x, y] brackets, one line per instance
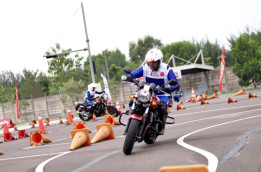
[222, 69]
[17, 103]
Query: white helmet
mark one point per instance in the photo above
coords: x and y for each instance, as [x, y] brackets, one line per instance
[93, 86]
[154, 55]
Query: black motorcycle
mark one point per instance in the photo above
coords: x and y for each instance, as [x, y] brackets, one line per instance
[144, 122]
[100, 107]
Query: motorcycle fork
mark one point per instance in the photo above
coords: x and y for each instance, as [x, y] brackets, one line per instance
[130, 112]
[144, 130]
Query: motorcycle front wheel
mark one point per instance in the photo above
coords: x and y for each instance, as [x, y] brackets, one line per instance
[113, 111]
[85, 116]
[131, 136]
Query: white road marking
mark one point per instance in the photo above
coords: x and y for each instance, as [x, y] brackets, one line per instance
[42, 146]
[212, 159]
[31, 156]
[40, 167]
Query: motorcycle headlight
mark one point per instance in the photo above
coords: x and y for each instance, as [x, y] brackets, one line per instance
[144, 96]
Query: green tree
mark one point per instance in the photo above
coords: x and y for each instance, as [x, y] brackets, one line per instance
[182, 49]
[116, 72]
[138, 51]
[247, 56]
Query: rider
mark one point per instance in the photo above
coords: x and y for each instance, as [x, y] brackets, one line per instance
[159, 73]
[89, 97]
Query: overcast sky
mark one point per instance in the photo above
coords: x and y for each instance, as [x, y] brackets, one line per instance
[30, 27]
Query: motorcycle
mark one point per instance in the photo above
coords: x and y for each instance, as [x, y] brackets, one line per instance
[100, 107]
[144, 123]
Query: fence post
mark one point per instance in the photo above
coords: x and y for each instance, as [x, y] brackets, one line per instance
[123, 93]
[32, 105]
[3, 110]
[46, 105]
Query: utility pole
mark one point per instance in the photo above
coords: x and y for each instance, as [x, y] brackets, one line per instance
[108, 75]
[88, 46]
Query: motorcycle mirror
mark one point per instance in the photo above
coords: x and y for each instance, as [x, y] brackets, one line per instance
[172, 82]
[152, 86]
[127, 70]
[141, 84]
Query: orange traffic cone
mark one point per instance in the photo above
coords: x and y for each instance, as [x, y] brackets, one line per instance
[46, 139]
[67, 121]
[215, 94]
[80, 138]
[104, 132]
[41, 125]
[204, 96]
[180, 101]
[1, 153]
[231, 100]
[80, 125]
[36, 138]
[199, 98]
[7, 137]
[118, 106]
[250, 95]
[33, 123]
[22, 134]
[47, 121]
[60, 119]
[180, 107]
[204, 102]
[240, 92]
[109, 119]
[6, 130]
[185, 168]
[70, 115]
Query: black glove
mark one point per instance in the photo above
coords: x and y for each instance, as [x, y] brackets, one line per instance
[167, 90]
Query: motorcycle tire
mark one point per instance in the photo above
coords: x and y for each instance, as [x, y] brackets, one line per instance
[85, 118]
[113, 111]
[150, 138]
[131, 136]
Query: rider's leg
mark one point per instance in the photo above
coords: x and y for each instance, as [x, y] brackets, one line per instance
[163, 115]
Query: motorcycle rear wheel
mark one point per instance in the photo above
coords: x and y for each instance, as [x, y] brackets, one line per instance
[131, 136]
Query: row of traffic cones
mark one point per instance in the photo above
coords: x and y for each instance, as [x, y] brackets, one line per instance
[80, 134]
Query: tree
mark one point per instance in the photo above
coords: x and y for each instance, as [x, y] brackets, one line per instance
[247, 56]
[116, 72]
[138, 51]
[182, 49]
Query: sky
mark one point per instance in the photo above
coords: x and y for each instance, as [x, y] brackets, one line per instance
[28, 28]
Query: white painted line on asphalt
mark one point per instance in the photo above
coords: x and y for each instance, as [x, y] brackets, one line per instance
[31, 156]
[35, 147]
[236, 107]
[62, 139]
[212, 159]
[40, 167]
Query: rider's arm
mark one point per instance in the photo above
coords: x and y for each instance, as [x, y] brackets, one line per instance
[99, 92]
[171, 76]
[137, 73]
[89, 97]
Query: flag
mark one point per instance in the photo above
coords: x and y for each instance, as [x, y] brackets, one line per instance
[222, 69]
[17, 103]
[106, 87]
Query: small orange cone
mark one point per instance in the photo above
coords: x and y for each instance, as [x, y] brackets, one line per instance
[109, 119]
[180, 107]
[46, 139]
[7, 137]
[94, 117]
[185, 168]
[47, 121]
[67, 121]
[215, 94]
[240, 92]
[36, 138]
[80, 125]
[41, 125]
[118, 106]
[22, 134]
[231, 100]
[204, 96]
[33, 123]
[199, 98]
[70, 116]
[1, 153]
[250, 95]
[180, 101]
[60, 119]
[104, 132]
[204, 102]
[80, 138]
[6, 130]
